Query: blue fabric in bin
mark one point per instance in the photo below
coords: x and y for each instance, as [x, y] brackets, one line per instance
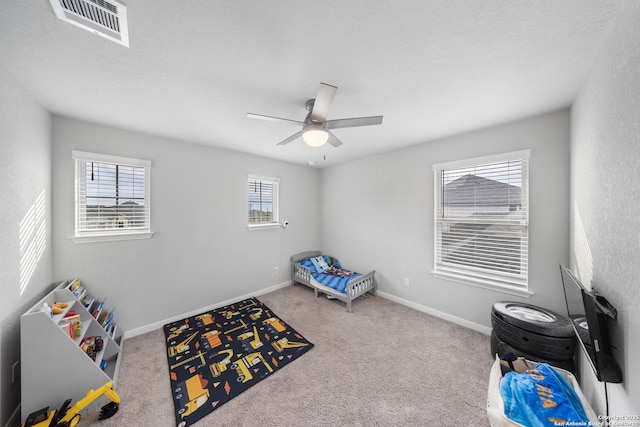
[335, 278]
[541, 397]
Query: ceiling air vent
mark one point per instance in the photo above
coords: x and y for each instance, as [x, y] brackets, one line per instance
[104, 18]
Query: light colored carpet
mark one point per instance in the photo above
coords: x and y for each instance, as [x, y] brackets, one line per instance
[382, 365]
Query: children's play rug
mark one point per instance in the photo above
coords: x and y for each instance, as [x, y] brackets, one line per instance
[215, 356]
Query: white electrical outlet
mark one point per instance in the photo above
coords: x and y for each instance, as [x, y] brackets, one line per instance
[276, 270]
[14, 371]
[406, 282]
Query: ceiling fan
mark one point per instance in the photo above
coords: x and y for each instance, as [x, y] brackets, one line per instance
[316, 129]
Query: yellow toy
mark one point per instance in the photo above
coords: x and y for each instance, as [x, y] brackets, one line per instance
[71, 417]
[57, 308]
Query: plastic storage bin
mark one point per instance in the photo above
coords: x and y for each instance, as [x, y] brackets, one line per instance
[495, 404]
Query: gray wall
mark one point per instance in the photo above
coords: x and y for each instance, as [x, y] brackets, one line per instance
[377, 213]
[605, 183]
[25, 209]
[201, 253]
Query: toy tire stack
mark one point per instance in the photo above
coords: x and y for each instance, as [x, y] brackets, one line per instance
[534, 333]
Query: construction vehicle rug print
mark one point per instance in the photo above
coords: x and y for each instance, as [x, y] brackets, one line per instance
[215, 356]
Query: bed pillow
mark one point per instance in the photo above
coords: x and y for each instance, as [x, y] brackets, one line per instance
[320, 264]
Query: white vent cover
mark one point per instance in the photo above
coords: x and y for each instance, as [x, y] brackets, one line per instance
[104, 18]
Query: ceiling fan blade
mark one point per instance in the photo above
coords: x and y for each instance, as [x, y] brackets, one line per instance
[291, 138]
[322, 102]
[274, 119]
[356, 121]
[333, 140]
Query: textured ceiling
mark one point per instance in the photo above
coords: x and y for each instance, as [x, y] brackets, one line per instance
[195, 68]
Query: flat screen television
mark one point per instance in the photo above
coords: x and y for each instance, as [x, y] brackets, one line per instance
[589, 313]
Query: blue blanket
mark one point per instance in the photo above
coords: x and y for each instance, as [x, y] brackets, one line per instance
[334, 277]
[541, 397]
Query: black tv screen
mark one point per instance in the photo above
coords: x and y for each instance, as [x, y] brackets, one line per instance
[589, 313]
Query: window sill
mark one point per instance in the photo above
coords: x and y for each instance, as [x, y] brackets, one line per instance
[264, 226]
[96, 238]
[483, 283]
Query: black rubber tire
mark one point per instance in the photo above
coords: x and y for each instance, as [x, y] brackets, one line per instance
[539, 345]
[533, 319]
[567, 365]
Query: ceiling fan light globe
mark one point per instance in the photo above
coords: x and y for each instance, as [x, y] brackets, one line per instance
[315, 137]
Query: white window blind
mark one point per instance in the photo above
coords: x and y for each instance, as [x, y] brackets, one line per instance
[481, 220]
[263, 200]
[112, 195]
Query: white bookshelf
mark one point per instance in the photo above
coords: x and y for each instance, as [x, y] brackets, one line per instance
[54, 367]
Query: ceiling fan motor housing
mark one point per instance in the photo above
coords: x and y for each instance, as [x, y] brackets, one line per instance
[316, 129]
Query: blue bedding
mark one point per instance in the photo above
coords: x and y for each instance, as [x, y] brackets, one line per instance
[334, 276]
[541, 397]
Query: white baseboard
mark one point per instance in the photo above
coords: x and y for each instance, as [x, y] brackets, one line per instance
[462, 322]
[14, 419]
[159, 324]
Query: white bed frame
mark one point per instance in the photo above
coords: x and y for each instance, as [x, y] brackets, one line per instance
[355, 287]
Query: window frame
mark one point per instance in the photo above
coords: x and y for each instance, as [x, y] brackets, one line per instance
[486, 278]
[275, 202]
[100, 235]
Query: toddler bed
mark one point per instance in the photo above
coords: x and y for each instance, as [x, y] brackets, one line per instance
[325, 274]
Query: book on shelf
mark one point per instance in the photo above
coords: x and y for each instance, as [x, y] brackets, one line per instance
[108, 318]
[73, 284]
[82, 295]
[98, 309]
[111, 329]
[76, 288]
[88, 302]
[70, 313]
[102, 317]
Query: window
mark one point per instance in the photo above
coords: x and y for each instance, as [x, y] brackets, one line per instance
[481, 220]
[112, 197]
[263, 201]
